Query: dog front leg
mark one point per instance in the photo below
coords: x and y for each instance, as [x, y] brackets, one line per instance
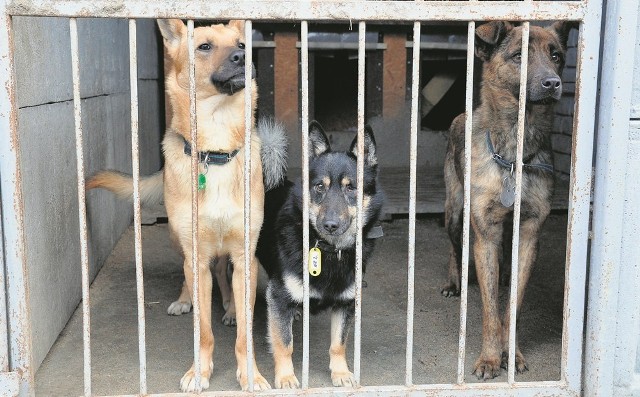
[238, 286]
[527, 251]
[183, 304]
[341, 319]
[228, 303]
[486, 250]
[281, 312]
[188, 382]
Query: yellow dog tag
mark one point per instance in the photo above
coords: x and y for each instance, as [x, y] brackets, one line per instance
[315, 261]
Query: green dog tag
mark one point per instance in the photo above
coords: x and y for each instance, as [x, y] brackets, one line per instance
[202, 181]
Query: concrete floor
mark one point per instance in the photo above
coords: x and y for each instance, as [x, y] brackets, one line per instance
[114, 338]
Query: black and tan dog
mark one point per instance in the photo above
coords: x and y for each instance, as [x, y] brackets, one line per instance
[220, 83]
[493, 151]
[332, 231]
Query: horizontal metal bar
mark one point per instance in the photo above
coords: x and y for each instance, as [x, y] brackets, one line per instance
[522, 389]
[336, 45]
[397, 11]
[439, 46]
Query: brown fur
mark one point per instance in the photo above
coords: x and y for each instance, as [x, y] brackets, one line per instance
[221, 126]
[497, 44]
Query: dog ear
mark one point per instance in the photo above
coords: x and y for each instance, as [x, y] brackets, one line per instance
[237, 25]
[172, 31]
[318, 141]
[562, 29]
[489, 36]
[370, 155]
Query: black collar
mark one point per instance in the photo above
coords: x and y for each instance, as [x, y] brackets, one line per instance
[510, 164]
[210, 158]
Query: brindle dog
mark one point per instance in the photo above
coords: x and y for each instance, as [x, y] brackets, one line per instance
[493, 151]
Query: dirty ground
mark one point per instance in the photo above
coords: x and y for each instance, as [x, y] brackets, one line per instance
[114, 322]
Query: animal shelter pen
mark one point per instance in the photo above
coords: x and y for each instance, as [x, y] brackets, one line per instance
[17, 376]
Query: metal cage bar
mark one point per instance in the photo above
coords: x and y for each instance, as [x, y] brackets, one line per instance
[12, 220]
[292, 10]
[357, 334]
[82, 210]
[193, 121]
[588, 56]
[248, 130]
[137, 222]
[466, 215]
[413, 161]
[304, 74]
[515, 257]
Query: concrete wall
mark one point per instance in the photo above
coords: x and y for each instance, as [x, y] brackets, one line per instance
[47, 149]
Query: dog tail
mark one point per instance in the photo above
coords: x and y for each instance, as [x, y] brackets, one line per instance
[151, 187]
[273, 153]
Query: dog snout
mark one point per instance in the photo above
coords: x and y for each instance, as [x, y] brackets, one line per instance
[237, 57]
[551, 83]
[330, 225]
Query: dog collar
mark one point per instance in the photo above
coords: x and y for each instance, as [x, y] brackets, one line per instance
[375, 232]
[326, 247]
[210, 158]
[510, 164]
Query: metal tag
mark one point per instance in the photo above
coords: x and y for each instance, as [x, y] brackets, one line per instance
[508, 194]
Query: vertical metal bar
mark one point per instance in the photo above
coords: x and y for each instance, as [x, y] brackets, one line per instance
[135, 164]
[513, 298]
[304, 74]
[82, 211]
[580, 195]
[413, 161]
[194, 205]
[248, 117]
[12, 216]
[357, 334]
[608, 203]
[464, 276]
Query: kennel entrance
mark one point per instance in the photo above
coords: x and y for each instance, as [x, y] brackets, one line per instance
[15, 251]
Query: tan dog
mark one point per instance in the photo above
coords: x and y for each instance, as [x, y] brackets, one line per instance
[220, 81]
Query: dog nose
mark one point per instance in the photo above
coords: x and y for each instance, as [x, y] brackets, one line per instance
[551, 83]
[237, 57]
[330, 226]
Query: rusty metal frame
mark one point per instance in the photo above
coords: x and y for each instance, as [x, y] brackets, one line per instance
[588, 12]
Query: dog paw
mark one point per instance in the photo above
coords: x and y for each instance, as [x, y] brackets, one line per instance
[188, 381]
[259, 382]
[345, 379]
[487, 368]
[450, 289]
[229, 319]
[178, 308]
[521, 364]
[287, 382]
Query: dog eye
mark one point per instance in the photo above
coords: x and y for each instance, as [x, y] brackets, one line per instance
[350, 188]
[241, 46]
[517, 57]
[555, 56]
[204, 47]
[319, 187]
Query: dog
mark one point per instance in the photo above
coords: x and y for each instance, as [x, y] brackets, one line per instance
[219, 85]
[332, 233]
[493, 153]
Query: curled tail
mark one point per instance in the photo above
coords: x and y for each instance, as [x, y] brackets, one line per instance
[151, 187]
[273, 152]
